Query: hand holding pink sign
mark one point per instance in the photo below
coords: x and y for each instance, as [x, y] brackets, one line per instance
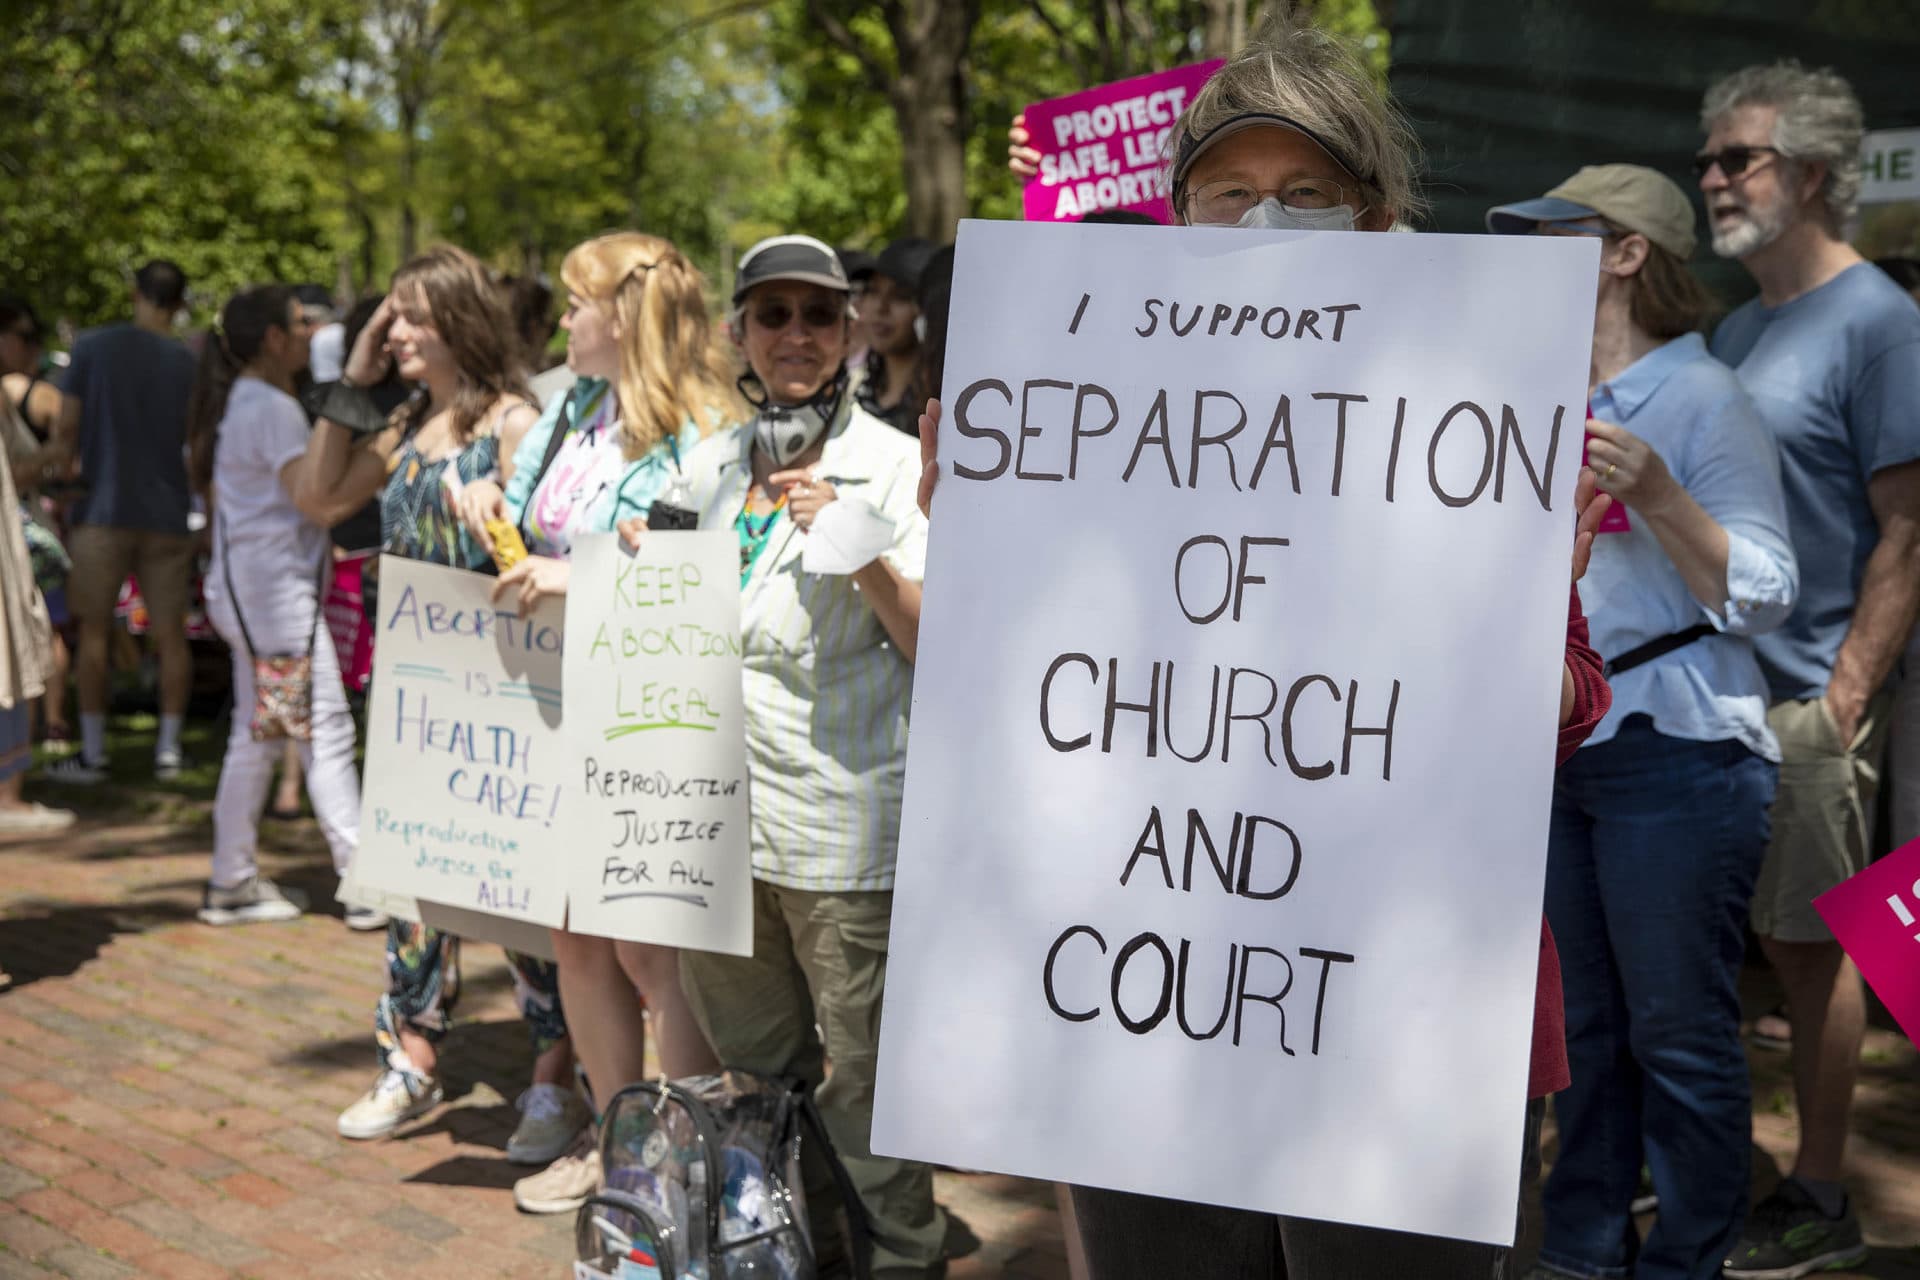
[1876, 918]
[1100, 148]
[1615, 521]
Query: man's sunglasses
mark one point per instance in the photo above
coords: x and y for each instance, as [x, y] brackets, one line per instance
[1733, 161]
[818, 314]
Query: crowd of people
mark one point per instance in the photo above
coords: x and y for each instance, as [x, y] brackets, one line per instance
[1732, 661]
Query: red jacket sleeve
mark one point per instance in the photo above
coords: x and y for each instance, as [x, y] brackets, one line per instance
[1591, 696]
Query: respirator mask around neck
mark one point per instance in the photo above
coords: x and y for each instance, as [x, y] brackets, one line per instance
[784, 432]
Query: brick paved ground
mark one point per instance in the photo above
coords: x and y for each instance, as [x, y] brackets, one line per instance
[168, 1091]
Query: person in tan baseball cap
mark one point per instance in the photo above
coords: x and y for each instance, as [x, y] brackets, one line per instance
[1631, 196]
[1648, 224]
[1660, 820]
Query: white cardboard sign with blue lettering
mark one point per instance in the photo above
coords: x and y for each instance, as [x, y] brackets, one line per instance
[656, 829]
[1234, 717]
[467, 777]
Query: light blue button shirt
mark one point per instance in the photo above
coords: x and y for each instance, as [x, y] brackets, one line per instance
[1691, 410]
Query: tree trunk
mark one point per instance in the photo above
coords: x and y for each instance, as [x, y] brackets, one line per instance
[933, 154]
[369, 251]
[1224, 26]
[930, 105]
[409, 167]
[926, 86]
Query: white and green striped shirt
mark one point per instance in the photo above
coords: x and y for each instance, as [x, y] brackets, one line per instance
[826, 692]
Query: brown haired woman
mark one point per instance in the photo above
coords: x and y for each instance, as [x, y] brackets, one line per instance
[650, 383]
[444, 328]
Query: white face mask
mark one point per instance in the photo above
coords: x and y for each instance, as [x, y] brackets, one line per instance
[1271, 215]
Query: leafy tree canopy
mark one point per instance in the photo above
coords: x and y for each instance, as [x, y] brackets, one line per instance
[320, 140]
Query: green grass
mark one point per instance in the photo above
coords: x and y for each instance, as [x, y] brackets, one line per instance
[131, 784]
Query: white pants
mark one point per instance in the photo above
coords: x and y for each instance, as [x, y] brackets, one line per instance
[246, 774]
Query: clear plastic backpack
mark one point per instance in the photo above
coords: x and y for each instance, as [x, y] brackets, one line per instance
[701, 1181]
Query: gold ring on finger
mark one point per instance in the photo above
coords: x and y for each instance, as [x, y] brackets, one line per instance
[1611, 468]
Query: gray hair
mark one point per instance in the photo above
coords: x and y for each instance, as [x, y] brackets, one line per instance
[1819, 119]
[1298, 71]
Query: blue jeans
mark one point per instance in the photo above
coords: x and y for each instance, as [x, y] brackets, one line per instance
[1656, 843]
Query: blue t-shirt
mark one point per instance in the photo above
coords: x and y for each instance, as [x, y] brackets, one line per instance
[1835, 374]
[133, 385]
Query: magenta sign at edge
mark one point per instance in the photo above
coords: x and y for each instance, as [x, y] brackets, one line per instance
[1100, 148]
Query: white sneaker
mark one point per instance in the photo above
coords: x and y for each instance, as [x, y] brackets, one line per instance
[169, 765]
[564, 1185]
[364, 919]
[550, 1116]
[252, 901]
[34, 819]
[76, 770]
[396, 1097]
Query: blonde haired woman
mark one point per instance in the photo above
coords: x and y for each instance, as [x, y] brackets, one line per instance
[651, 382]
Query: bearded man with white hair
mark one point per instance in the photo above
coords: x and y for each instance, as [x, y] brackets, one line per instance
[1830, 352]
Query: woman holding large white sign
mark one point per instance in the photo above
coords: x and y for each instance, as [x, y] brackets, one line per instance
[1293, 134]
[651, 382]
[832, 549]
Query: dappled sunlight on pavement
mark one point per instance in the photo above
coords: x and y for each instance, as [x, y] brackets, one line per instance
[168, 1090]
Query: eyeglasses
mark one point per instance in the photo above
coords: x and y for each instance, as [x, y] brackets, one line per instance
[1226, 200]
[1733, 161]
[817, 314]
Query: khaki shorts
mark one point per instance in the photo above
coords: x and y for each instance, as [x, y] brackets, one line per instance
[103, 556]
[1822, 814]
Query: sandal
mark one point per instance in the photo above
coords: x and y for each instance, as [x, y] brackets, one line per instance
[1773, 1029]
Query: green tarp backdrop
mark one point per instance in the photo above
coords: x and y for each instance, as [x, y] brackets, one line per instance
[1511, 96]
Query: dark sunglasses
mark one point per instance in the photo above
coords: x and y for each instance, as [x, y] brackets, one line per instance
[1733, 161]
[818, 314]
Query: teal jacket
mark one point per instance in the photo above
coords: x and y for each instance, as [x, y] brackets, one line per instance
[643, 481]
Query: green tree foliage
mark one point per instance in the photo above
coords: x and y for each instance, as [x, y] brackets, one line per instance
[138, 128]
[843, 151]
[317, 139]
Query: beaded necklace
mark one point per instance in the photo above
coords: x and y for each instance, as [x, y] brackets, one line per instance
[753, 541]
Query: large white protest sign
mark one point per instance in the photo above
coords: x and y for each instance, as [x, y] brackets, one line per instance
[466, 766]
[1234, 716]
[656, 839]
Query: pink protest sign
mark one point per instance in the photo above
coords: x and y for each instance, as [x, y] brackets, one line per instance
[1100, 148]
[347, 622]
[1615, 521]
[1876, 917]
